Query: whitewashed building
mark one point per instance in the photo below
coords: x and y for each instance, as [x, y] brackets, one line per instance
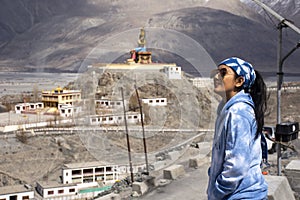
[110, 104]
[155, 101]
[55, 190]
[16, 192]
[173, 72]
[58, 191]
[115, 119]
[68, 110]
[23, 107]
[90, 172]
[202, 82]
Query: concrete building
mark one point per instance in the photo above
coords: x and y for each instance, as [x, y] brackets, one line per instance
[55, 190]
[90, 172]
[58, 191]
[109, 104]
[116, 119]
[202, 82]
[60, 96]
[27, 107]
[68, 110]
[173, 72]
[16, 192]
[155, 101]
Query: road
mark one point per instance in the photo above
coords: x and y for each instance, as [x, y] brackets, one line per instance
[191, 186]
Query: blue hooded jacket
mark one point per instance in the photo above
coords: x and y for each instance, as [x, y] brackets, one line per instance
[235, 171]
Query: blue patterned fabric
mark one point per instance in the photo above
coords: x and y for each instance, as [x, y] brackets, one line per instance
[242, 68]
[235, 171]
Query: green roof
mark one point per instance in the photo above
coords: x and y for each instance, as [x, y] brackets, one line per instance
[94, 189]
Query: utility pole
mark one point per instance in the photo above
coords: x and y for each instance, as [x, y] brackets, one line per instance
[142, 121]
[127, 137]
[283, 23]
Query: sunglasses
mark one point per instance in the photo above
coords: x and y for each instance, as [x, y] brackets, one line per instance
[223, 72]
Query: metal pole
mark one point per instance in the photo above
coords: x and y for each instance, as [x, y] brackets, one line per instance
[279, 84]
[142, 121]
[127, 137]
[276, 15]
[283, 23]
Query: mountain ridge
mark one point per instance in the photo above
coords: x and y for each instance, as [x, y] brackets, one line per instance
[51, 37]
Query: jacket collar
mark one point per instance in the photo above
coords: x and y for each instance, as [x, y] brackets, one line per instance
[239, 97]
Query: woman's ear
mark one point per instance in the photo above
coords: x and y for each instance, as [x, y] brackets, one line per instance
[239, 81]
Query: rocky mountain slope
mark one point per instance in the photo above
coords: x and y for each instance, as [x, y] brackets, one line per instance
[60, 35]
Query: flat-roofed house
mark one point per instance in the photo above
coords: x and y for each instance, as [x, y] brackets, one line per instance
[155, 101]
[87, 172]
[16, 192]
[55, 189]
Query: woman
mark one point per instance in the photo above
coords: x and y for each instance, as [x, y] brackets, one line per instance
[235, 171]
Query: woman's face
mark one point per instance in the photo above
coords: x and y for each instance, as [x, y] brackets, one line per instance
[226, 82]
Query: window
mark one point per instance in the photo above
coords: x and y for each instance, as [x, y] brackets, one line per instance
[99, 169]
[25, 198]
[76, 172]
[13, 197]
[50, 192]
[157, 101]
[108, 169]
[88, 171]
[61, 191]
[150, 101]
[72, 190]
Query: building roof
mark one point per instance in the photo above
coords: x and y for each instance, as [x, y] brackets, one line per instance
[59, 91]
[12, 189]
[54, 184]
[85, 165]
[137, 66]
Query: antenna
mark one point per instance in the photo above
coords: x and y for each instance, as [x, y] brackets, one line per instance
[283, 23]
